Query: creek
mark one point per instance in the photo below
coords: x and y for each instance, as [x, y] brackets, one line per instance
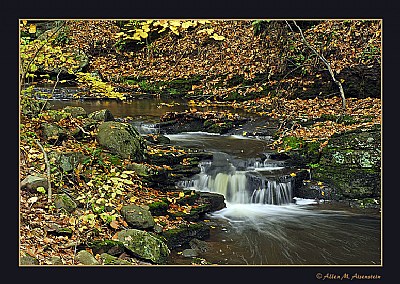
[263, 223]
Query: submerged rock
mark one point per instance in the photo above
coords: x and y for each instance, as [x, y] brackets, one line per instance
[189, 253]
[144, 245]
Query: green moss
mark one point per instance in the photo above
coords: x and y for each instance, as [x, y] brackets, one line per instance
[158, 208]
[292, 142]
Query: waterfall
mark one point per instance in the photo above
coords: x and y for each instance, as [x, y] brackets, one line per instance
[242, 186]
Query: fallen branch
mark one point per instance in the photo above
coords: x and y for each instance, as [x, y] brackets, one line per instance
[48, 171]
[326, 64]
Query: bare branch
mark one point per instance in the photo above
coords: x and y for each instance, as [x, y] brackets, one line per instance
[323, 59]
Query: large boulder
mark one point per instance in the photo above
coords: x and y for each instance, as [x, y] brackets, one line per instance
[122, 140]
[137, 217]
[144, 245]
[351, 163]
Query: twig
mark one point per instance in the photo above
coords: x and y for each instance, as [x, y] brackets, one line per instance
[58, 80]
[48, 171]
[326, 64]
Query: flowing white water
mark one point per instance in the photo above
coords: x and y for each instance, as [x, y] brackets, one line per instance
[242, 186]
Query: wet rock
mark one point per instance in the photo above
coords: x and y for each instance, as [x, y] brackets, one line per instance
[183, 235]
[63, 201]
[102, 115]
[32, 182]
[199, 245]
[137, 217]
[215, 200]
[189, 253]
[122, 140]
[86, 258]
[157, 139]
[144, 245]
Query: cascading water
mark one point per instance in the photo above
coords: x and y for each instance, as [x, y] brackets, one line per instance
[248, 185]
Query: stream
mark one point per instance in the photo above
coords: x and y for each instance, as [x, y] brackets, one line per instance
[261, 224]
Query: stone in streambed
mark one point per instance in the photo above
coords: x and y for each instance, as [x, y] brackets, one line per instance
[144, 245]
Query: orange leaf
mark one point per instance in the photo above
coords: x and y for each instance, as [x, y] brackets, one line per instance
[114, 224]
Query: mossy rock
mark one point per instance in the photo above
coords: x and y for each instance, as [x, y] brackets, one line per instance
[63, 201]
[144, 245]
[110, 247]
[53, 133]
[28, 260]
[137, 217]
[67, 161]
[86, 258]
[112, 260]
[75, 111]
[351, 162]
[158, 208]
[122, 139]
[102, 115]
[185, 233]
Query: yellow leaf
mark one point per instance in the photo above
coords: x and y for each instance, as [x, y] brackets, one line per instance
[175, 23]
[322, 193]
[320, 183]
[24, 22]
[204, 22]
[181, 194]
[217, 37]
[32, 29]
[293, 174]
[187, 24]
